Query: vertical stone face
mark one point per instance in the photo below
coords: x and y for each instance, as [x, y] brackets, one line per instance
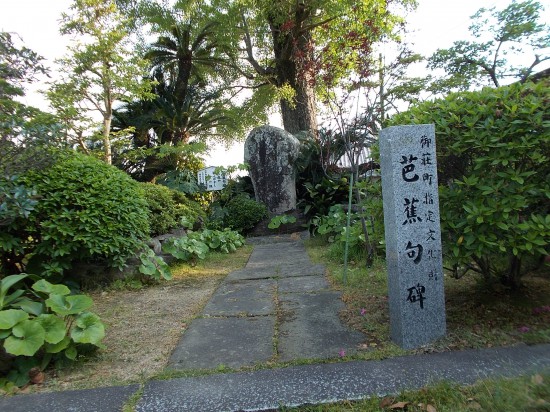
[271, 153]
[413, 234]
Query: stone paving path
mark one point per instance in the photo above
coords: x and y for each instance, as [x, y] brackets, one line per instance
[278, 308]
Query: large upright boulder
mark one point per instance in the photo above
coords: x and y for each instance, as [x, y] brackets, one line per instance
[271, 153]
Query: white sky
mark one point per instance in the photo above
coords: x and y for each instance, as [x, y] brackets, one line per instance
[437, 24]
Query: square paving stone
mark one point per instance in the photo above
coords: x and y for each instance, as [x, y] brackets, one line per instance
[282, 270]
[311, 328]
[250, 298]
[233, 342]
[303, 284]
[268, 255]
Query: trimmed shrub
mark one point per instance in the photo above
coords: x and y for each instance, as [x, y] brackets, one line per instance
[243, 213]
[188, 209]
[86, 210]
[493, 150]
[169, 209]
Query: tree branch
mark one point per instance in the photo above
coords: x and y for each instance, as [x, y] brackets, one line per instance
[249, 50]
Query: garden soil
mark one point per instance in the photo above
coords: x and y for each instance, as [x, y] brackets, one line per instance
[142, 329]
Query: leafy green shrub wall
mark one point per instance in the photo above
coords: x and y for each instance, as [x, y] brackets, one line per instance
[244, 213]
[86, 210]
[493, 150]
[168, 207]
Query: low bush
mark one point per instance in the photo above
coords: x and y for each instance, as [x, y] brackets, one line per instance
[318, 198]
[332, 227]
[169, 209]
[85, 210]
[493, 152]
[219, 209]
[243, 213]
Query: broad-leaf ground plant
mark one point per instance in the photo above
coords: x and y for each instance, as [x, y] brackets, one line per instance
[41, 324]
[493, 149]
[196, 245]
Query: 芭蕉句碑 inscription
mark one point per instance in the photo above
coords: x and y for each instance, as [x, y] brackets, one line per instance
[413, 236]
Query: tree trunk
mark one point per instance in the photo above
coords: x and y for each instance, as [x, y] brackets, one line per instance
[107, 140]
[302, 114]
[108, 114]
[512, 278]
[293, 54]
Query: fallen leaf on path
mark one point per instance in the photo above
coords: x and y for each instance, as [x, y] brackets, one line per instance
[36, 376]
[430, 408]
[384, 403]
[399, 405]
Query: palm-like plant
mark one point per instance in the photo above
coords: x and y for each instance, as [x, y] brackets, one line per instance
[184, 57]
[188, 67]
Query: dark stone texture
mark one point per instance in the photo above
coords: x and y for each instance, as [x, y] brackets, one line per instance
[233, 342]
[249, 298]
[277, 254]
[109, 399]
[278, 271]
[303, 284]
[271, 153]
[317, 384]
[278, 238]
[310, 328]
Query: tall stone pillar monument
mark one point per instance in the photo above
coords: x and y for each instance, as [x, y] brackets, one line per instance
[413, 234]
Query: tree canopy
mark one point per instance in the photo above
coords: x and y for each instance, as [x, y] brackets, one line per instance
[503, 41]
[100, 69]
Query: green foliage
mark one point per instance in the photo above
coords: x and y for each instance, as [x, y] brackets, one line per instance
[333, 228]
[43, 323]
[501, 36]
[86, 210]
[17, 201]
[196, 245]
[96, 73]
[243, 213]
[277, 221]
[321, 196]
[493, 160]
[19, 67]
[239, 186]
[154, 266]
[186, 161]
[169, 209]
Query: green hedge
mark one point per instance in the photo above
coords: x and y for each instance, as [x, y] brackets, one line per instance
[243, 213]
[86, 210]
[493, 152]
[169, 209]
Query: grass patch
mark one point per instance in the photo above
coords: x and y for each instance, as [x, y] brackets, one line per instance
[526, 393]
[215, 264]
[131, 404]
[478, 315]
